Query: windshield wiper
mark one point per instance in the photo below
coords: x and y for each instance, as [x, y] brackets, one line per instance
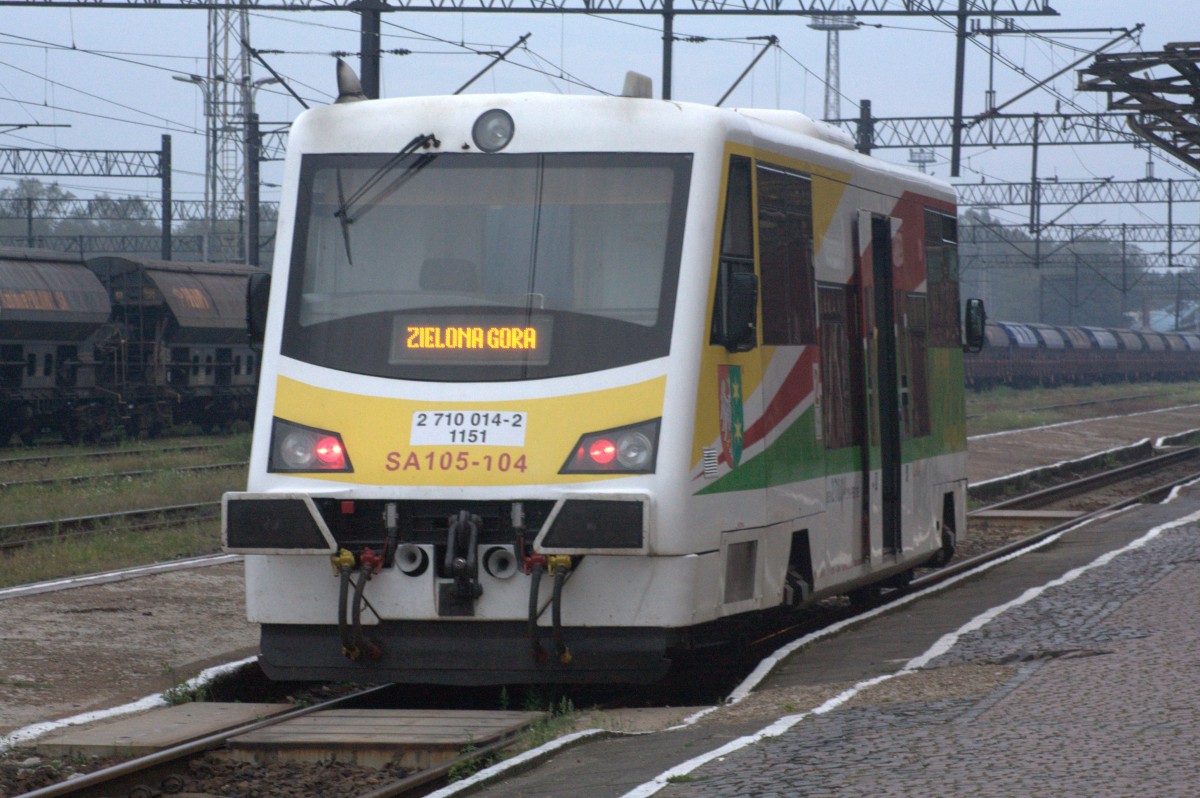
[343, 217]
[347, 204]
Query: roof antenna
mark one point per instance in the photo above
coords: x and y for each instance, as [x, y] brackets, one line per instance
[349, 86]
[638, 85]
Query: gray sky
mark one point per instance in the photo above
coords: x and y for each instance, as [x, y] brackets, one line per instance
[107, 73]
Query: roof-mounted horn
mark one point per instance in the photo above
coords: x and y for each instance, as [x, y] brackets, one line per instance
[349, 86]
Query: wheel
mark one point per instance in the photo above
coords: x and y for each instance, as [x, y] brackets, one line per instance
[946, 552]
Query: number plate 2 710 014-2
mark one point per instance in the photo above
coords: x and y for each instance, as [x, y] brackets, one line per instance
[469, 427]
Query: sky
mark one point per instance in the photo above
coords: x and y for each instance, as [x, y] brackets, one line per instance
[105, 75]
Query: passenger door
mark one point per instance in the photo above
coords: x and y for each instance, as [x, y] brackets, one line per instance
[882, 461]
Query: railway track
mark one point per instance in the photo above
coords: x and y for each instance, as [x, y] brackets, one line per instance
[1070, 499]
[159, 773]
[24, 534]
[20, 483]
[1138, 470]
[30, 459]
[166, 772]
[1151, 479]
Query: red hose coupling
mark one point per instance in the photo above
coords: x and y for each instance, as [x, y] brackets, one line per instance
[370, 560]
[529, 562]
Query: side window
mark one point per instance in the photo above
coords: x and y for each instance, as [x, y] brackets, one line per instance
[941, 276]
[785, 243]
[737, 236]
[841, 363]
[915, 399]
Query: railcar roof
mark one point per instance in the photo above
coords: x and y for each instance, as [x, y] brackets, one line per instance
[200, 296]
[49, 287]
[600, 122]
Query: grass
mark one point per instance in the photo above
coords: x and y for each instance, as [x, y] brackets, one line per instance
[180, 692]
[1005, 408]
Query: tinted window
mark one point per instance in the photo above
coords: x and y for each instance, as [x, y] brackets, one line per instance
[786, 259]
[941, 274]
[737, 239]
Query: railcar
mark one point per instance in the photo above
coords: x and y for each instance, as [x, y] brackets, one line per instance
[555, 388]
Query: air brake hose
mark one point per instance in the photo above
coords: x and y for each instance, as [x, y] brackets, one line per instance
[560, 645]
[343, 564]
[534, 645]
[348, 648]
[369, 564]
[361, 644]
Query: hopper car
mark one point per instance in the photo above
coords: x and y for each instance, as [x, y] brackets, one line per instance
[115, 345]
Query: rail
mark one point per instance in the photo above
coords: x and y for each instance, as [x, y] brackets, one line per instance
[1075, 487]
[40, 458]
[132, 774]
[21, 483]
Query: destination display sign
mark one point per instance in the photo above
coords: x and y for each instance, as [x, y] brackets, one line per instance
[471, 340]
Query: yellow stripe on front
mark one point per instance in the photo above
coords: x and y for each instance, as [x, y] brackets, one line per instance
[377, 431]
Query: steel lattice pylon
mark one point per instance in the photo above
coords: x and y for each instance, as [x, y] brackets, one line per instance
[228, 87]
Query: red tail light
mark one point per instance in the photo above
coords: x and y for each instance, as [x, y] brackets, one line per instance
[602, 451]
[624, 450]
[298, 448]
[329, 451]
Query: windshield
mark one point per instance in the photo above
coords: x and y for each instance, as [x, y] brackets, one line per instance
[485, 267]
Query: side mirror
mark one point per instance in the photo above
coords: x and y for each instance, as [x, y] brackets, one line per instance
[258, 293]
[737, 312]
[976, 321]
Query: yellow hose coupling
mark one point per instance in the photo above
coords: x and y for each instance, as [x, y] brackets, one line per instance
[343, 559]
[557, 562]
